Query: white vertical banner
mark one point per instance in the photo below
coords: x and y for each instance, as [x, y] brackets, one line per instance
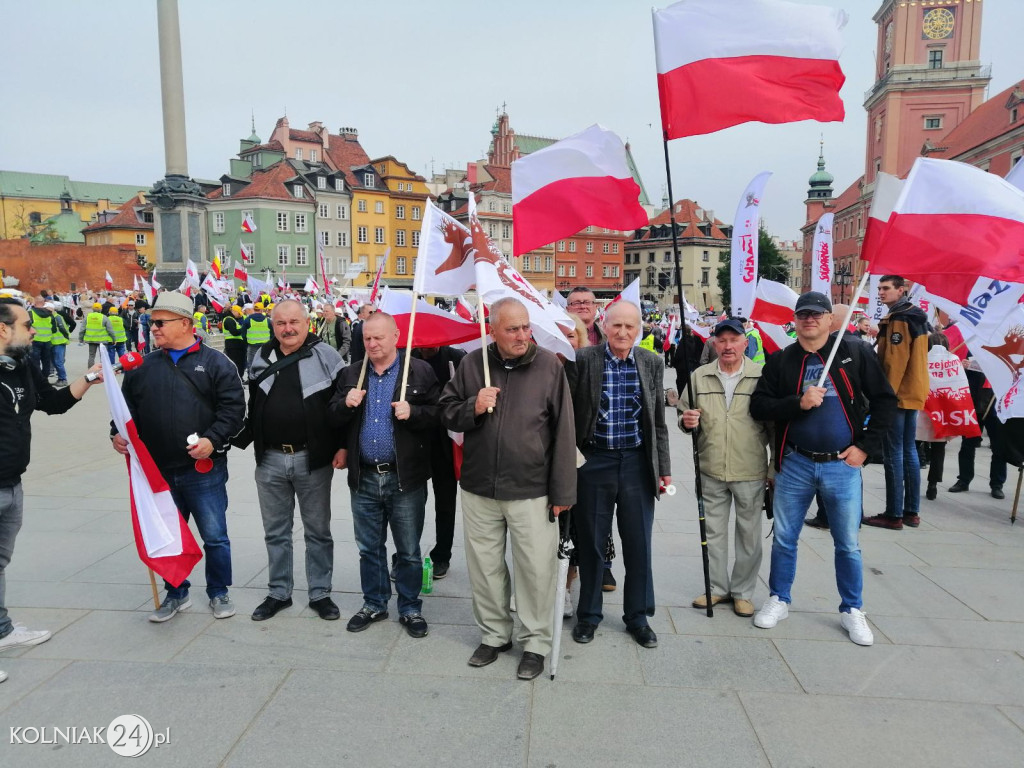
[876, 310]
[744, 246]
[822, 266]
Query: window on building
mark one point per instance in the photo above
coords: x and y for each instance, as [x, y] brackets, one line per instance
[361, 235]
[536, 263]
[615, 271]
[650, 258]
[492, 230]
[339, 185]
[506, 231]
[705, 276]
[257, 160]
[705, 256]
[361, 206]
[561, 270]
[590, 247]
[935, 58]
[378, 207]
[301, 256]
[379, 263]
[248, 215]
[590, 270]
[415, 213]
[342, 211]
[298, 153]
[606, 271]
[327, 265]
[492, 206]
[667, 257]
[321, 182]
[589, 229]
[343, 239]
[324, 238]
[312, 155]
[249, 254]
[572, 246]
[323, 211]
[399, 211]
[218, 223]
[147, 217]
[282, 221]
[297, 190]
[549, 263]
[506, 208]
[226, 189]
[561, 245]
[572, 270]
[283, 255]
[932, 123]
[453, 204]
[400, 265]
[606, 247]
[378, 235]
[367, 179]
[416, 238]
[300, 222]
[400, 237]
[220, 250]
[615, 247]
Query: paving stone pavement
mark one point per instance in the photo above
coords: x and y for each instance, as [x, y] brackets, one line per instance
[943, 684]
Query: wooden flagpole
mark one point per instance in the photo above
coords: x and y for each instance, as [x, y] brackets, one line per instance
[408, 347]
[483, 341]
[842, 328]
[156, 592]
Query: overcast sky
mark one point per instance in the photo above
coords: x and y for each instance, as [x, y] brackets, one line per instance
[419, 79]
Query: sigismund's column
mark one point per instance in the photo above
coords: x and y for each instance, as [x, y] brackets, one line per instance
[179, 206]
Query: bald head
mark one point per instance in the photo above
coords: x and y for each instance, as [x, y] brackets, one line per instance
[838, 315]
[622, 324]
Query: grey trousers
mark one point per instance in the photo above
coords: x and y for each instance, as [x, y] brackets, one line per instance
[718, 499]
[11, 507]
[280, 479]
[534, 538]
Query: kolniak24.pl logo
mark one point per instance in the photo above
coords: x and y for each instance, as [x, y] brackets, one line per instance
[127, 735]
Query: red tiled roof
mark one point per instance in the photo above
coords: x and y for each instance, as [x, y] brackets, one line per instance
[295, 135]
[270, 184]
[126, 218]
[988, 121]
[346, 154]
[502, 180]
[687, 213]
[273, 146]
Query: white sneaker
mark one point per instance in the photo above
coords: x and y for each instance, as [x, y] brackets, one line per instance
[567, 610]
[772, 612]
[856, 624]
[22, 636]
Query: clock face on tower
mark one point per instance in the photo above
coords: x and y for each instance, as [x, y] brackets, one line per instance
[938, 23]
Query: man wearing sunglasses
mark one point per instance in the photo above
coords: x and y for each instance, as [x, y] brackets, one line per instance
[821, 442]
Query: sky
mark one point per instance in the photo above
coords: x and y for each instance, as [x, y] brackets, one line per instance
[419, 80]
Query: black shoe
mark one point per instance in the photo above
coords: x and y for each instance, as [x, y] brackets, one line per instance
[487, 654]
[270, 608]
[608, 581]
[531, 665]
[365, 618]
[326, 609]
[958, 487]
[997, 493]
[932, 492]
[414, 624]
[644, 636]
[394, 566]
[583, 632]
[440, 570]
[817, 522]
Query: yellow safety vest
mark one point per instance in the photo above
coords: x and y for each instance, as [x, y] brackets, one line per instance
[648, 342]
[43, 326]
[117, 323]
[232, 331]
[758, 356]
[59, 339]
[95, 333]
[259, 331]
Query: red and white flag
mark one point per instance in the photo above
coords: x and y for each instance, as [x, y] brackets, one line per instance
[192, 273]
[162, 538]
[248, 225]
[774, 337]
[579, 181]
[311, 285]
[135, 283]
[743, 272]
[241, 273]
[822, 264]
[883, 200]
[443, 263]
[777, 61]
[325, 281]
[375, 291]
[630, 293]
[214, 293]
[1002, 360]
[953, 224]
[154, 286]
[774, 304]
[108, 281]
[433, 327]
[949, 406]
[463, 310]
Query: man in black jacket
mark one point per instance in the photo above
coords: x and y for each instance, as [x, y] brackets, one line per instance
[23, 390]
[821, 442]
[187, 402]
[358, 350]
[291, 383]
[388, 437]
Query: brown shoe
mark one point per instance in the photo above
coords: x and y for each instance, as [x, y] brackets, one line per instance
[531, 665]
[487, 654]
[885, 521]
[701, 601]
[742, 607]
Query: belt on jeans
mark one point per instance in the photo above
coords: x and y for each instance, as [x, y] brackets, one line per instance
[815, 455]
[381, 468]
[288, 447]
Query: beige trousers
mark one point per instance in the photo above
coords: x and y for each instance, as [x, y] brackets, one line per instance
[718, 499]
[534, 556]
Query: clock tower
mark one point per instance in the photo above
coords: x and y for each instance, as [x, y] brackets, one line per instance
[928, 79]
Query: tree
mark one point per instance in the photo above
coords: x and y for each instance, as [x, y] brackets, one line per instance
[771, 265]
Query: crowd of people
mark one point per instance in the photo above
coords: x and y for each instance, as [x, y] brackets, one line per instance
[550, 448]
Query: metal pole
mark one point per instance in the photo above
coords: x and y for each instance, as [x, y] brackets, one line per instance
[698, 486]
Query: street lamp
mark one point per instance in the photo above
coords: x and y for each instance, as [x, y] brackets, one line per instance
[843, 278]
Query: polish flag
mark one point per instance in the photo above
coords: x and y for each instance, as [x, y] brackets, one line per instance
[670, 334]
[774, 337]
[773, 303]
[375, 292]
[108, 281]
[776, 61]
[577, 182]
[311, 285]
[953, 224]
[162, 538]
[241, 273]
[433, 327]
[463, 310]
[248, 225]
[883, 200]
[135, 283]
[154, 286]
[630, 293]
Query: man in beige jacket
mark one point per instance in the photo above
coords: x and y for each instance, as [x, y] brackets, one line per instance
[733, 464]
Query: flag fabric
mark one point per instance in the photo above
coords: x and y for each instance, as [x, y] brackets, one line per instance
[213, 292]
[949, 406]
[215, 265]
[883, 200]
[559, 300]
[773, 336]
[443, 266]
[162, 538]
[778, 61]
[241, 273]
[147, 289]
[630, 293]
[433, 326]
[952, 224]
[875, 309]
[375, 292]
[248, 225]
[463, 310]
[311, 285]
[743, 269]
[1002, 360]
[108, 281]
[185, 288]
[988, 304]
[579, 181]
[1016, 175]
[192, 273]
[957, 344]
[258, 287]
[670, 334]
[135, 283]
[323, 267]
[822, 265]
[774, 304]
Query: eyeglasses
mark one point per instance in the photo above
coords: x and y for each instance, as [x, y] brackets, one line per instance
[578, 304]
[160, 323]
[807, 314]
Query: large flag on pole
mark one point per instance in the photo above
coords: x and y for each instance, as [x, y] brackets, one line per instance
[579, 181]
[162, 538]
[822, 265]
[241, 273]
[883, 199]
[434, 327]
[215, 265]
[108, 281]
[192, 273]
[248, 225]
[375, 292]
[743, 284]
[777, 61]
[1002, 360]
[773, 308]
[953, 224]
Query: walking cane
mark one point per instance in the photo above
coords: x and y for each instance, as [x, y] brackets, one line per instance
[1016, 496]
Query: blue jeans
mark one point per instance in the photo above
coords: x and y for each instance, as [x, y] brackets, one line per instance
[840, 487]
[376, 503]
[59, 351]
[902, 466]
[205, 497]
[11, 506]
[42, 356]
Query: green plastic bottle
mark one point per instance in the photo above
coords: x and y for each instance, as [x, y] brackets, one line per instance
[428, 576]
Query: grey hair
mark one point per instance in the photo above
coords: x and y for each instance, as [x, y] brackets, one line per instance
[499, 306]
